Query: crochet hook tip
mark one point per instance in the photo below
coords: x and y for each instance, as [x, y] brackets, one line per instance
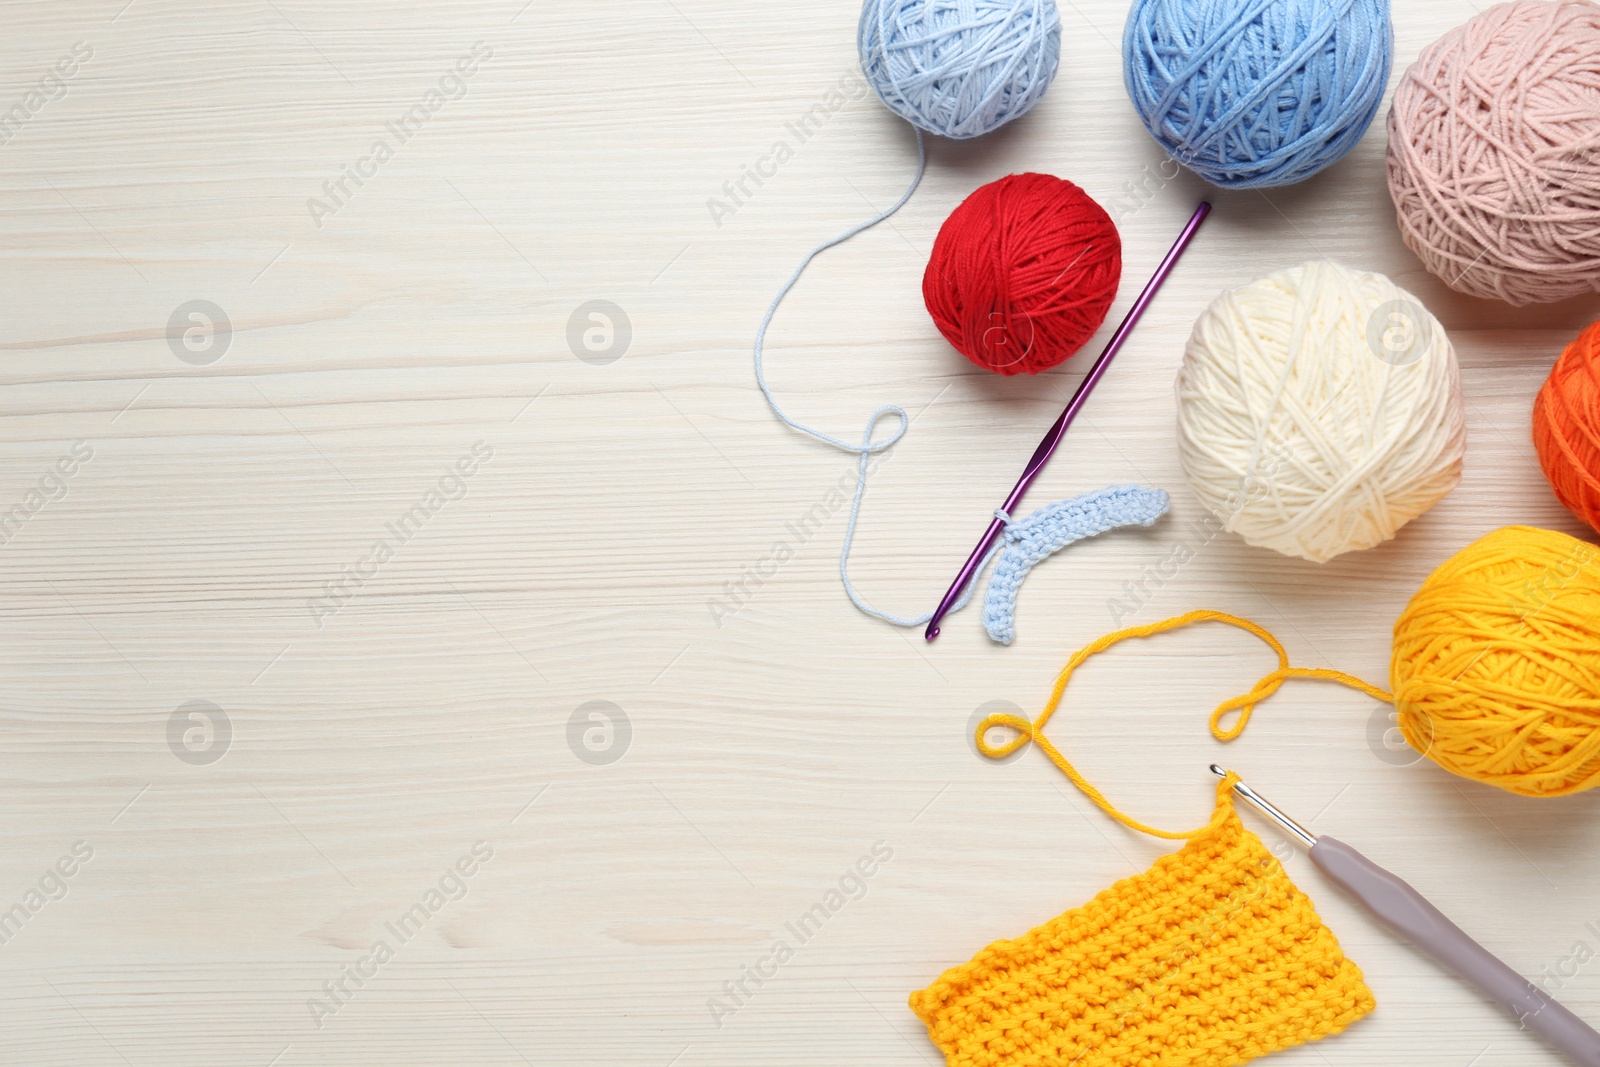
[930, 633]
[1270, 810]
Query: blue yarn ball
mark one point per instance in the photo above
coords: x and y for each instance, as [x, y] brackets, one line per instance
[1256, 93]
[959, 68]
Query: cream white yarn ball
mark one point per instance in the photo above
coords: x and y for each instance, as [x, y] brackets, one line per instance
[1319, 410]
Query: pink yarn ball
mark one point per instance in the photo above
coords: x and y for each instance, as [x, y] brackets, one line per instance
[1494, 153]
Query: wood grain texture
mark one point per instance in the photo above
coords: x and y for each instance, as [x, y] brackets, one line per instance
[768, 747]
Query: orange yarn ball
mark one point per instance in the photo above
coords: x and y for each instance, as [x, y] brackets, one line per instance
[1566, 427]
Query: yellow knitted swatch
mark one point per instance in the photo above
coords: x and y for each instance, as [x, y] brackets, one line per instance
[1210, 958]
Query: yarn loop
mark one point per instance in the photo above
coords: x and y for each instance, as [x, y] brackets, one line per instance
[1244, 704]
[1495, 672]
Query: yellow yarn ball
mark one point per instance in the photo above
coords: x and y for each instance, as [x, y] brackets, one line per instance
[1496, 667]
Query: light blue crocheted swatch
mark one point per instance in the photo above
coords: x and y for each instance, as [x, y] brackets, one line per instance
[1049, 530]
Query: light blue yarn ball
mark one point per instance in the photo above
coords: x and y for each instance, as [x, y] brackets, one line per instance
[959, 68]
[1256, 93]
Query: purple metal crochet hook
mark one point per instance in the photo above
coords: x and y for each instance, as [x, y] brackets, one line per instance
[1047, 447]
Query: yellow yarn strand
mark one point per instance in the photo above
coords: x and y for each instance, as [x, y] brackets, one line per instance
[1245, 704]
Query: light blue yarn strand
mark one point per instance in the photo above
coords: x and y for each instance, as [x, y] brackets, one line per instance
[844, 564]
[1257, 94]
[868, 447]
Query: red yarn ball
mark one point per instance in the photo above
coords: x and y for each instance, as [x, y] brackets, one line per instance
[1023, 273]
[1566, 427]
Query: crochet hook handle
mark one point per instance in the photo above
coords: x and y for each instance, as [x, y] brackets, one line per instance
[1409, 914]
[1047, 447]
[1391, 899]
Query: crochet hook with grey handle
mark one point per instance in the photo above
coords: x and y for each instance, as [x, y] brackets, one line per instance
[1410, 915]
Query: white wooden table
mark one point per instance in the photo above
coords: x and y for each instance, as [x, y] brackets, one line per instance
[397, 536]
